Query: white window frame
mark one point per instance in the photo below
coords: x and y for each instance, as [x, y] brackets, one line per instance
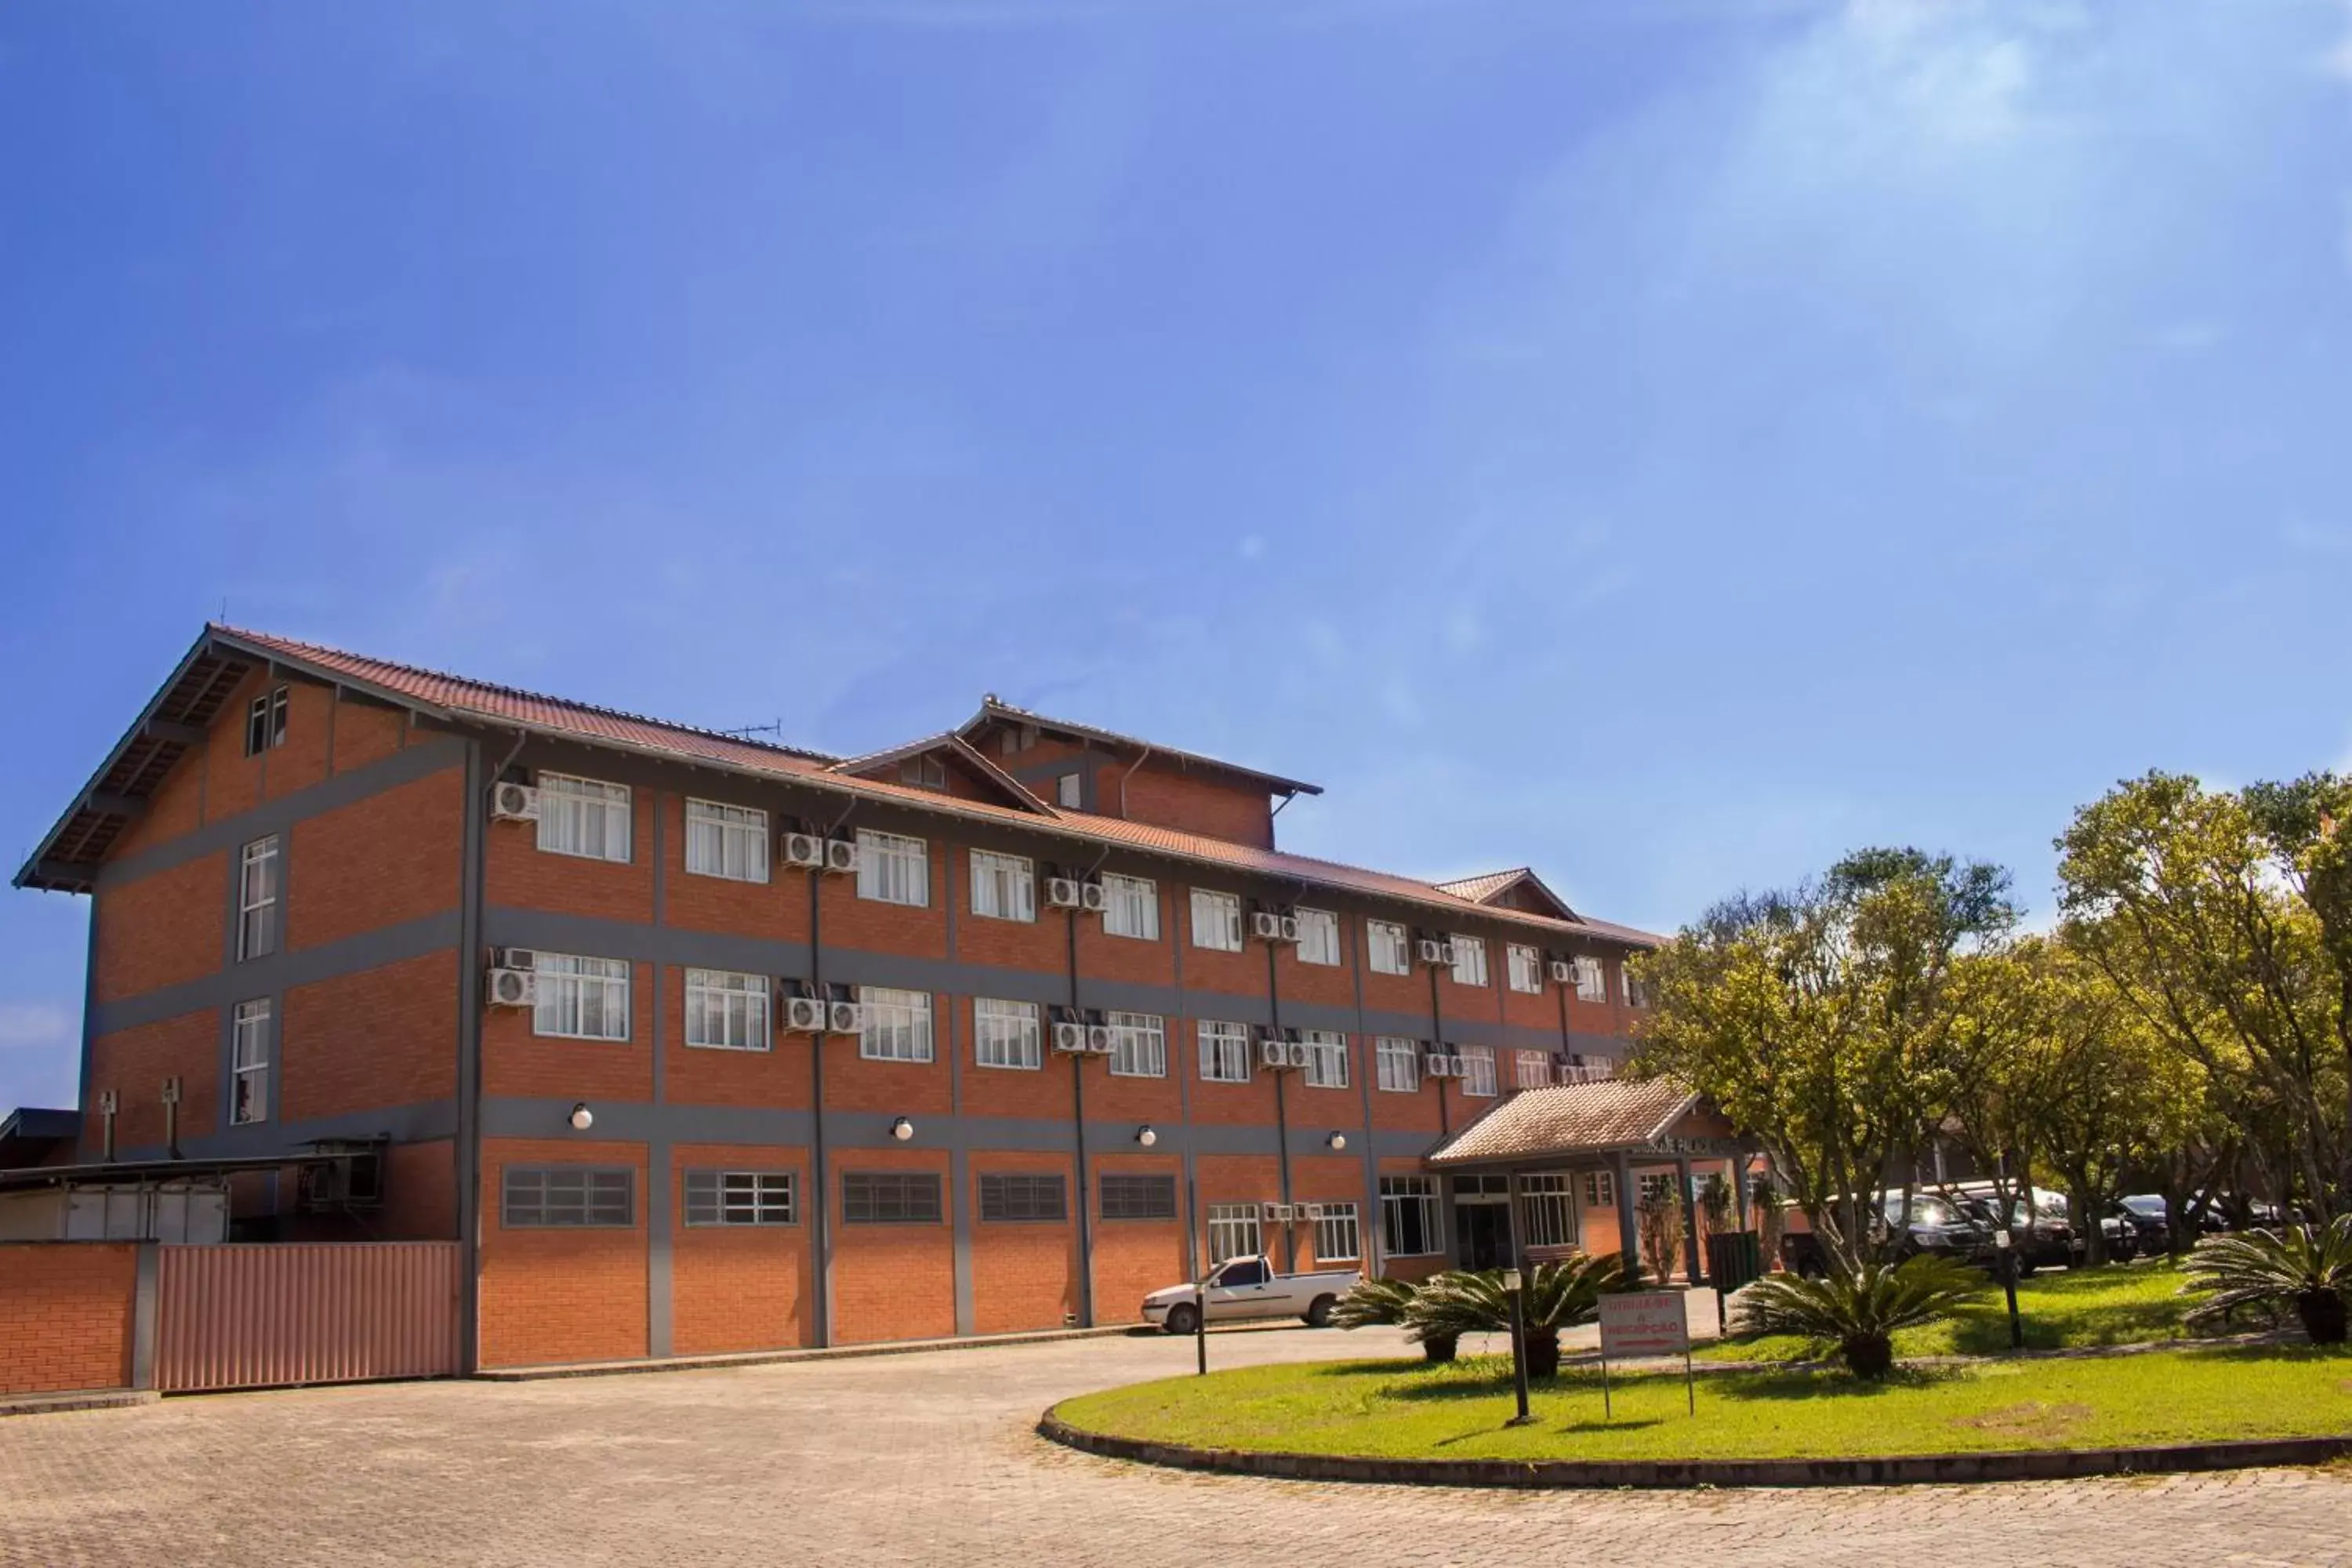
[1130, 906]
[924, 772]
[1216, 920]
[729, 842]
[1524, 965]
[1327, 1059]
[1599, 1189]
[1234, 1232]
[1070, 792]
[1322, 946]
[1420, 1193]
[587, 819]
[1548, 1210]
[1533, 1069]
[1339, 1237]
[265, 721]
[893, 869]
[1592, 979]
[259, 880]
[893, 1025]
[1224, 1050]
[1007, 1035]
[742, 1007]
[1003, 887]
[1636, 994]
[1138, 1045]
[1388, 947]
[1469, 961]
[566, 981]
[249, 1053]
[1398, 1060]
[1478, 1070]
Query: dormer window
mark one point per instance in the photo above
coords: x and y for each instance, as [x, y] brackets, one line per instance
[926, 772]
[265, 722]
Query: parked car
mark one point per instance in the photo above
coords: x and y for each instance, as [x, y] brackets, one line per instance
[1934, 1226]
[2143, 1215]
[1243, 1288]
[2041, 1232]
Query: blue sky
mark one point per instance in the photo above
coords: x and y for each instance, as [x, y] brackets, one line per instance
[1667, 442]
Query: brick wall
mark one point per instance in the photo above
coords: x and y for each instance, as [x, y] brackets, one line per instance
[561, 1294]
[420, 1191]
[892, 1281]
[162, 930]
[739, 1287]
[1193, 802]
[518, 874]
[393, 857]
[383, 1037]
[1134, 1257]
[66, 1313]
[518, 1062]
[1024, 1273]
[134, 1062]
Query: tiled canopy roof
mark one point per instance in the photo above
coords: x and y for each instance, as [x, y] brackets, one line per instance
[1574, 1119]
[106, 803]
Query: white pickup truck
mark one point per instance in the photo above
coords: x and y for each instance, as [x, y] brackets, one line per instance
[1242, 1288]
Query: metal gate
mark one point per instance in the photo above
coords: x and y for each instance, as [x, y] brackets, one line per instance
[263, 1315]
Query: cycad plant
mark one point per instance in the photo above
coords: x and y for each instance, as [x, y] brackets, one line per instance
[2307, 1267]
[1558, 1296]
[1388, 1302]
[1858, 1311]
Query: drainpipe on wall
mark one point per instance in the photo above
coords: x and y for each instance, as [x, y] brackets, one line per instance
[1281, 1116]
[1142, 758]
[1437, 1040]
[1078, 1114]
[820, 1204]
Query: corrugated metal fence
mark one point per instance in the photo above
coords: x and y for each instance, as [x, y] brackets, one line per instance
[265, 1316]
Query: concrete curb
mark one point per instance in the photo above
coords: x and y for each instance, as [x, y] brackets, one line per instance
[79, 1399]
[777, 1358]
[1899, 1470]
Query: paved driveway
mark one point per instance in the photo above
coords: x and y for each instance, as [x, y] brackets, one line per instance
[928, 1458]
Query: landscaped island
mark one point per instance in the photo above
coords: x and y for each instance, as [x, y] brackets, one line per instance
[1408, 1410]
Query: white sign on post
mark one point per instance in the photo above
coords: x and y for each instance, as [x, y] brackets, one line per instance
[1645, 1323]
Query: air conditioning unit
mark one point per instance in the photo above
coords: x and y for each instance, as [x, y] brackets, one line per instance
[1070, 1038]
[1277, 1214]
[513, 958]
[805, 850]
[1274, 1055]
[1092, 898]
[1098, 1039]
[352, 1182]
[1461, 1066]
[1561, 971]
[514, 802]
[804, 1015]
[843, 1018]
[1310, 1211]
[1300, 1053]
[1266, 926]
[1438, 1064]
[841, 855]
[1289, 930]
[1062, 893]
[1434, 951]
[513, 988]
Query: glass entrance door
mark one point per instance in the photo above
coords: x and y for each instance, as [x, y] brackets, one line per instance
[1482, 1234]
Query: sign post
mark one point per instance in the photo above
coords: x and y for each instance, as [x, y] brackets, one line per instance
[1644, 1323]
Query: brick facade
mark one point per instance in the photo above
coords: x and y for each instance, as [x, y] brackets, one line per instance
[66, 1315]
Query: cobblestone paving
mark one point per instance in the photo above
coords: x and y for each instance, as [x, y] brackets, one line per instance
[928, 1458]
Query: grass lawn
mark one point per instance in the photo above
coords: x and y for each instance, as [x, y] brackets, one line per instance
[1399, 1408]
[2119, 1305]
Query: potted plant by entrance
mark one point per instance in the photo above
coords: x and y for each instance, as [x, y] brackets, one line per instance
[1389, 1302]
[1558, 1296]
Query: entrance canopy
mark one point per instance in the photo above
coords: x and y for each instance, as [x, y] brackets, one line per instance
[1592, 1126]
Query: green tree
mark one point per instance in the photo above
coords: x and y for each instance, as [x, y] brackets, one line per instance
[1817, 1020]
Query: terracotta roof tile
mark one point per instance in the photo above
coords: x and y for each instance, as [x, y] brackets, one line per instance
[1478, 890]
[1572, 1118]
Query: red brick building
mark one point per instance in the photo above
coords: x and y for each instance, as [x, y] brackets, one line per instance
[704, 1045]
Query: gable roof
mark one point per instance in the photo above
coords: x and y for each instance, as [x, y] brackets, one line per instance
[68, 858]
[995, 710]
[1493, 886]
[1569, 1118]
[1014, 792]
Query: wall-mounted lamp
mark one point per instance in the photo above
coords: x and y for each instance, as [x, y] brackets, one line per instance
[582, 1117]
[902, 1129]
[1338, 1141]
[1146, 1136]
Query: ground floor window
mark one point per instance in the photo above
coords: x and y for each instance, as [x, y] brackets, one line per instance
[1336, 1237]
[1009, 1196]
[534, 1197]
[1138, 1197]
[1548, 1209]
[1233, 1232]
[1599, 1189]
[1409, 1216]
[739, 1197]
[889, 1197]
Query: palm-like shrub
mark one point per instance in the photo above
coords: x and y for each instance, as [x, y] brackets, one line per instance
[1860, 1311]
[2303, 1266]
[1558, 1296]
[1388, 1301]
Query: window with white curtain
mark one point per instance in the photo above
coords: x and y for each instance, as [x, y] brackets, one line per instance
[248, 1095]
[580, 998]
[1224, 1051]
[1591, 981]
[1233, 1232]
[1327, 1059]
[583, 817]
[1477, 1070]
[257, 900]
[1524, 967]
[1131, 907]
[1534, 1069]
[1138, 1045]
[1318, 936]
[1006, 1034]
[730, 841]
[1548, 1210]
[893, 869]
[1470, 961]
[1003, 887]
[1399, 1060]
[1388, 949]
[726, 1011]
[896, 1025]
[1216, 920]
[1337, 1238]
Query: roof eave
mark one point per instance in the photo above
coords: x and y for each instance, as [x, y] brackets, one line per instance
[1274, 783]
